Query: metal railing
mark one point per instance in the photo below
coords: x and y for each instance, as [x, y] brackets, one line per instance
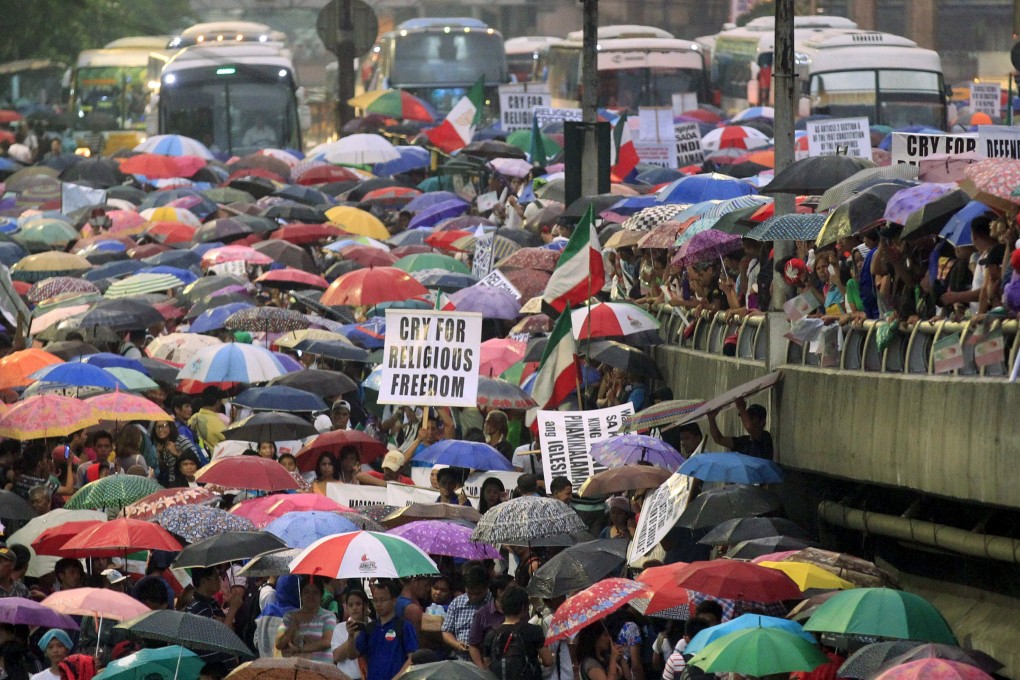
[741, 337]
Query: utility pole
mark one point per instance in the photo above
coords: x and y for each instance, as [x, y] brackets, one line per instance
[785, 91]
[345, 55]
[589, 98]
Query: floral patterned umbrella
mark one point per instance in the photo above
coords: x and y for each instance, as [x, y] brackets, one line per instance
[124, 407]
[266, 320]
[992, 182]
[910, 200]
[532, 258]
[437, 537]
[496, 393]
[196, 522]
[158, 501]
[59, 285]
[529, 282]
[593, 604]
[114, 491]
[663, 236]
[46, 416]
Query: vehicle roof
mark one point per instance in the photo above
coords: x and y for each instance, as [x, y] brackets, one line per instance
[226, 27]
[117, 57]
[29, 65]
[624, 44]
[529, 43]
[270, 54]
[623, 31]
[137, 42]
[440, 22]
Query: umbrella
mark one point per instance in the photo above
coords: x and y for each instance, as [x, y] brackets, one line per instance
[363, 554]
[699, 188]
[531, 258]
[757, 547]
[264, 509]
[936, 651]
[957, 229]
[740, 529]
[13, 506]
[610, 319]
[269, 564]
[495, 393]
[881, 612]
[357, 149]
[47, 416]
[369, 448]
[593, 604]
[714, 506]
[122, 315]
[653, 217]
[180, 347]
[16, 367]
[624, 357]
[577, 567]
[167, 663]
[280, 398]
[816, 174]
[992, 182]
[856, 182]
[705, 245]
[865, 662]
[197, 633]
[41, 565]
[941, 669]
[660, 414]
[292, 668]
[522, 521]
[499, 354]
[174, 145]
[735, 580]
[100, 603]
[232, 362]
[356, 221]
[78, 374]
[629, 449]
[808, 576]
[447, 670]
[494, 303]
[326, 384]
[235, 253]
[58, 285]
[759, 652]
[301, 529]
[796, 227]
[745, 622]
[119, 537]
[22, 611]
[858, 213]
[438, 537]
[196, 522]
[734, 137]
[465, 454]
[367, 287]
[115, 491]
[247, 472]
[415, 511]
[225, 547]
[910, 200]
[625, 478]
[732, 468]
[270, 427]
[41, 266]
[155, 503]
[434, 214]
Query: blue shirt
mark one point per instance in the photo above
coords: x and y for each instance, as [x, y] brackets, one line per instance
[868, 296]
[382, 649]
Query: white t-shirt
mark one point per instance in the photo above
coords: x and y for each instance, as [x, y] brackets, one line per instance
[46, 675]
[348, 667]
[530, 463]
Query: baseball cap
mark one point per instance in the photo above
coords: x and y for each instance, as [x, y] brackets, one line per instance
[113, 576]
[618, 503]
[394, 460]
[7, 553]
[337, 405]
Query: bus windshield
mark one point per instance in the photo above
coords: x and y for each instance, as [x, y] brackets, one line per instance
[447, 59]
[897, 98]
[522, 66]
[110, 97]
[237, 111]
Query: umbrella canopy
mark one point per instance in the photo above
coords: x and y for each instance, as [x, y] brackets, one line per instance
[79, 374]
[155, 503]
[465, 454]
[41, 565]
[357, 149]
[858, 213]
[302, 528]
[369, 448]
[745, 622]
[910, 200]
[759, 652]
[165, 662]
[115, 491]
[593, 604]
[866, 661]
[174, 145]
[264, 509]
[611, 319]
[197, 633]
[809, 576]
[770, 545]
[438, 537]
[882, 612]
[795, 227]
[625, 478]
[416, 511]
[713, 506]
[225, 547]
[232, 362]
[47, 416]
[816, 174]
[494, 303]
[733, 580]
[447, 670]
[367, 287]
[732, 468]
[121, 315]
[292, 668]
[624, 357]
[856, 182]
[280, 398]
[632, 449]
[99, 603]
[270, 427]
[247, 472]
[118, 537]
[326, 384]
[577, 567]
[16, 367]
[194, 523]
[525, 520]
[934, 669]
[495, 393]
[363, 554]
[22, 611]
[740, 529]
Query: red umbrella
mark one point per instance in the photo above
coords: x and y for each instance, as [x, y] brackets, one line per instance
[369, 448]
[395, 197]
[366, 287]
[158, 166]
[147, 250]
[155, 503]
[324, 174]
[769, 210]
[444, 239]
[367, 256]
[531, 258]
[530, 282]
[302, 234]
[170, 233]
[247, 472]
[592, 604]
[665, 594]
[255, 172]
[704, 115]
[52, 540]
[734, 580]
[120, 536]
[9, 116]
[290, 277]
[404, 251]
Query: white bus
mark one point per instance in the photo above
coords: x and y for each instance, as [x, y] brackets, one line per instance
[33, 86]
[226, 79]
[637, 66]
[528, 57]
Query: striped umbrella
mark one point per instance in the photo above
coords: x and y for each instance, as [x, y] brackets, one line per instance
[233, 362]
[58, 285]
[175, 145]
[142, 284]
[47, 416]
[611, 319]
[852, 185]
[363, 554]
[179, 347]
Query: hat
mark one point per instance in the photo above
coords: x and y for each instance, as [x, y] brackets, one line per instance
[394, 460]
[794, 270]
[113, 576]
[55, 633]
[7, 553]
[618, 503]
[339, 404]
[59, 454]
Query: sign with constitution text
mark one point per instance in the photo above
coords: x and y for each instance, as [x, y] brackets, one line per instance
[850, 136]
[661, 510]
[567, 437]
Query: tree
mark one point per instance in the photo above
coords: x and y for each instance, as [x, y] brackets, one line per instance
[767, 8]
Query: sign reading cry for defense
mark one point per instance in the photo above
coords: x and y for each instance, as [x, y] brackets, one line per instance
[430, 358]
[567, 437]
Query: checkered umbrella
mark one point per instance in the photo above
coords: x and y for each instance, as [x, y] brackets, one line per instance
[649, 218]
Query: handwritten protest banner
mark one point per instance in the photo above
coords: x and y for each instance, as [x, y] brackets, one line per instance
[661, 510]
[826, 137]
[430, 358]
[688, 145]
[481, 264]
[567, 437]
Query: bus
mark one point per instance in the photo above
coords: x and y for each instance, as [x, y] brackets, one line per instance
[110, 88]
[528, 57]
[33, 86]
[226, 80]
[842, 71]
[637, 66]
[438, 60]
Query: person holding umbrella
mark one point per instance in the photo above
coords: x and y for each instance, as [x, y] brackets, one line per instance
[307, 632]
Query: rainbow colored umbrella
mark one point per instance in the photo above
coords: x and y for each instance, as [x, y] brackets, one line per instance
[393, 103]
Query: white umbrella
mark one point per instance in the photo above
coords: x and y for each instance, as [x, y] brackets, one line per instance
[360, 149]
[141, 284]
[175, 145]
[40, 565]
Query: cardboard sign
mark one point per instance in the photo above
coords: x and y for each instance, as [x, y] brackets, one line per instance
[998, 141]
[356, 495]
[402, 495]
[517, 101]
[547, 114]
[430, 358]
[947, 354]
[496, 279]
[688, 145]
[661, 510]
[911, 147]
[986, 98]
[567, 437]
[826, 137]
[661, 154]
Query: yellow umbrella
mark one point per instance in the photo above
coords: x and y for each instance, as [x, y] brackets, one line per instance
[355, 221]
[53, 263]
[809, 576]
[292, 339]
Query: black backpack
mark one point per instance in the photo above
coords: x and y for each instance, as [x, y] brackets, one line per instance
[510, 658]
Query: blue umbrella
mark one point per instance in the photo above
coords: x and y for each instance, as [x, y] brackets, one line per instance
[698, 188]
[465, 454]
[11, 253]
[201, 249]
[173, 258]
[631, 204]
[430, 199]
[656, 176]
[185, 275]
[370, 334]
[411, 158]
[410, 237]
[213, 319]
[280, 398]
[289, 363]
[114, 270]
[301, 529]
[7, 165]
[111, 360]
[713, 633]
[374, 380]
[731, 467]
[494, 303]
[957, 229]
[78, 374]
[431, 216]
[445, 280]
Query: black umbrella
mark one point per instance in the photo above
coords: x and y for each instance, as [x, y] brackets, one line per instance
[335, 271]
[270, 426]
[447, 670]
[858, 213]
[197, 633]
[288, 254]
[334, 350]
[209, 284]
[490, 149]
[230, 546]
[295, 212]
[536, 347]
[578, 567]
[121, 315]
[339, 187]
[311, 300]
[127, 193]
[97, 172]
[100, 257]
[94, 335]
[113, 270]
[183, 259]
[159, 371]
[522, 237]
[13, 506]
[866, 661]
[715, 506]
[737, 221]
[741, 529]
[412, 237]
[62, 161]
[579, 207]
[624, 357]
[816, 174]
[224, 230]
[748, 550]
[68, 349]
[258, 187]
[317, 381]
[258, 224]
[304, 195]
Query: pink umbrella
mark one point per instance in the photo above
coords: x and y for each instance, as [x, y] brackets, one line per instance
[262, 511]
[945, 168]
[123, 220]
[234, 254]
[500, 354]
[100, 603]
[933, 669]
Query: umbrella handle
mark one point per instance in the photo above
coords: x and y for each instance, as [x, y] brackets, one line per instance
[99, 629]
[177, 669]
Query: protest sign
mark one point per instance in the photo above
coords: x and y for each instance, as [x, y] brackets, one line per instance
[77, 196]
[567, 437]
[683, 102]
[481, 264]
[356, 495]
[655, 123]
[947, 355]
[998, 141]
[911, 147]
[430, 358]
[661, 510]
[496, 279]
[798, 307]
[547, 114]
[688, 145]
[986, 98]
[832, 136]
[517, 102]
[402, 495]
[661, 154]
[231, 268]
[473, 484]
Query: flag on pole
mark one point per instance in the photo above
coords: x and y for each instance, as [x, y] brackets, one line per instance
[456, 131]
[580, 272]
[537, 153]
[625, 157]
[557, 372]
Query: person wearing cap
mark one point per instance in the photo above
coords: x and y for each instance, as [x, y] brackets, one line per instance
[114, 580]
[56, 645]
[391, 466]
[620, 514]
[340, 415]
[9, 586]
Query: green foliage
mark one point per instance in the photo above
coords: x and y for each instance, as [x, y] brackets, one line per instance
[767, 8]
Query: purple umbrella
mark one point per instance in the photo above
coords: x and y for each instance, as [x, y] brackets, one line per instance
[290, 364]
[708, 245]
[434, 214]
[438, 537]
[910, 200]
[631, 449]
[431, 198]
[20, 610]
[492, 302]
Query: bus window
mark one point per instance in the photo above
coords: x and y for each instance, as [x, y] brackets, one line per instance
[423, 57]
[565, 73]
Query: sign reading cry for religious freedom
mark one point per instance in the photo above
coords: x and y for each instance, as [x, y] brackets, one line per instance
[567, 437]
[430, 358]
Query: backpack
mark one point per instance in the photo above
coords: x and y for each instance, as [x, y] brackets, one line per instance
[510, 658]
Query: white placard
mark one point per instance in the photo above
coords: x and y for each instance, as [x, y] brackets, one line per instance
[473, 484]
[486, 202]
[661, 510]
[356, 495]
[661, 154]
[986, 98]
[911, 147]
[684, 102]
[998, 141]
[547, 114]
[481, 264]
[76, 196]
[567, 437]
[688, 145]
[430, 358]
[827, 137]
[496, 279]
[518, 100]
[232, 268]
[402, 495]
[655, 123]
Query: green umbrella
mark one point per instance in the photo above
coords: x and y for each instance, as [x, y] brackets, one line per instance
[759, 652]
[737, 221]
[114, 491]
[881, 612]
[513, 374]
[522, 140]
[45, 232]
[136, 381]
[166, 662]
[225, 195]
[421, 261]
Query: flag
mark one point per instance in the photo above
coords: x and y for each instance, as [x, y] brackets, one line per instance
[537, 153]
[580, 272]
[625, 156]
[557, 372]
[459, 126]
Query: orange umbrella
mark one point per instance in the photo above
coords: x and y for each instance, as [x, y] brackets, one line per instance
[366, 287]
[119, 536]
[16, 367]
